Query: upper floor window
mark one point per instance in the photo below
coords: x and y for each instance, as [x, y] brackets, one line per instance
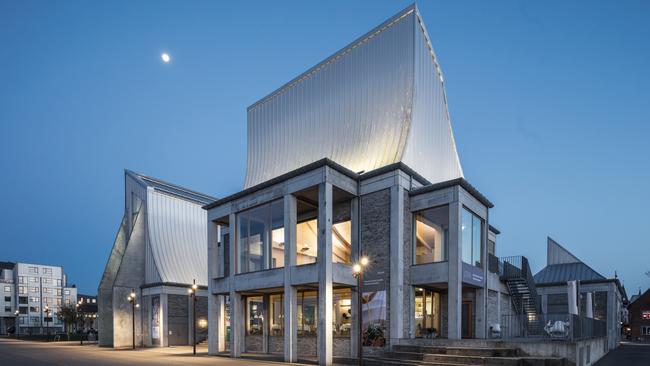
[260, 242]
[47, 270]
[471, 229]
[492, 247]
[33, 279]
[33, 270]
[7, 288]
[21, 279]
[431, 235]
[66, 292]
[58, 282]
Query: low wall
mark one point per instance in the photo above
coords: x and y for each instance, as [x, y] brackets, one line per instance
[579, 353]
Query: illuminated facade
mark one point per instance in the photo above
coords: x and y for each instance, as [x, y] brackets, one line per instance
[159, 251]
[355, 157]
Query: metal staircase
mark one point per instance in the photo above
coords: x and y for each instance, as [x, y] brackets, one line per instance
[515, 272]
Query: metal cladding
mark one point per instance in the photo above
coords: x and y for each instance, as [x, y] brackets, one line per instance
[378, 101]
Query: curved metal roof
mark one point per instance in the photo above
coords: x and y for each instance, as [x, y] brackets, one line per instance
[378, 101]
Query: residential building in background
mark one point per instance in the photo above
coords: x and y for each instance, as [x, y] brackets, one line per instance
[602, 297]
[32, 290]
[86, 313]
[639, 316]
[159, 251]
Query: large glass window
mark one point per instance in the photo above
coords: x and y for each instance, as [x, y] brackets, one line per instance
[260, 238]
[431, 235]
[255, 314]
[427, 313]
[307, 313]
[307, 242]
[276, 314]
[471, 226]
[342, 309]
[307, 234]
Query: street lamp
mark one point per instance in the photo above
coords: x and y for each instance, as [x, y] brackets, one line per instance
[192, 292]
[17, 314]
[131, 299]
[357, 272]
[47, 320]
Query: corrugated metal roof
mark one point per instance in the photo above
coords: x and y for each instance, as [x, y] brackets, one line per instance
[566, 272]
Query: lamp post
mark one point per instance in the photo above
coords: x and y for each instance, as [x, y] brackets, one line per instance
[131, 299]
[192, 292]
[357, 272]
[47, 320]
[17, 313]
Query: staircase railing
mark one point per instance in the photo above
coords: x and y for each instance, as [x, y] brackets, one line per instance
[516, 268]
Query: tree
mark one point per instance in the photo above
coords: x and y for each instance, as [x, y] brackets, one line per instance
[68, 315]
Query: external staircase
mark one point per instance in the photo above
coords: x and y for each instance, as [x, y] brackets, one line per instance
[436, 355]
[516, 273]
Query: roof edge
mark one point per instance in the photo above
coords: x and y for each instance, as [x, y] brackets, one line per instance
[144, 178]
[453, 182]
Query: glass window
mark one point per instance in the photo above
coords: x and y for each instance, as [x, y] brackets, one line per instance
[21, 279]
[47, 290]
[8, 298]
[33, 289]
[58, 282]
[7, 309]
[47, 281]
[22, 310]
[66, 292]
[33, 279]
[492, 247]
[7, 288]
[471, 238]
[22, 290]
[431, 235]
[374, 318]
[255, 314]
[257, 228]
[307, 313]
[307, 242]
[427, 313]
[47, 270]
[342, 309]
[276, 313]
[557, 303]
[33, 270]
[22, 300]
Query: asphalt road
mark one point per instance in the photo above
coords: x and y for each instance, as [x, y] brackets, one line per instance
[628, 354]
[18, 353]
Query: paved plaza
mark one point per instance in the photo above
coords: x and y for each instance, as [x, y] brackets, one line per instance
[18, 353]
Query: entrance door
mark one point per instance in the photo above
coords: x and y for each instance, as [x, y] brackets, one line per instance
[467, 322]
[427, 313]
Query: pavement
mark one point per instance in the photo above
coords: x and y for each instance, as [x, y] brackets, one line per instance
[18, 352]
[628, 354]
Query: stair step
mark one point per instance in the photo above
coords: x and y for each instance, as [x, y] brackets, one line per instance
[458, 351]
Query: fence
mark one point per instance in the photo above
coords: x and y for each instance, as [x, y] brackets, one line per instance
[567, 327]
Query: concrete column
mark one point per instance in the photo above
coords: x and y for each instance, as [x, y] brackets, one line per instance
[481, 314]
[164, 320]
[356, 250]
[325, 295]
[290, 293]
[455, 285]
[236, 306]
[396, 263]
[215, 303]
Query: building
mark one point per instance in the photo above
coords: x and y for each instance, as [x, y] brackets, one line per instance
[607, 296]
[86, 312]
[353, 158]
[37, 292]
[159, 251]
[7, 311]
[639, 316]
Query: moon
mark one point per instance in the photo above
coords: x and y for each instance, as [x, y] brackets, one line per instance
[165, 57]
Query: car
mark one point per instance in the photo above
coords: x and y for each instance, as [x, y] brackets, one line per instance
[11, 329]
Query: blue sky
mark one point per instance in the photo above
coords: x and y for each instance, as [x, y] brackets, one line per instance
[549, 103]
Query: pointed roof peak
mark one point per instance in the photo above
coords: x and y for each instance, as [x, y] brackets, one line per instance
[557, 254]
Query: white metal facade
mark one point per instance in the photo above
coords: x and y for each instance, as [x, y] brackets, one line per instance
[378, 101]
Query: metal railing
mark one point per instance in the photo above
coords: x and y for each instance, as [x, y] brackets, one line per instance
[493, 264]
[567, 327]
[517, 268]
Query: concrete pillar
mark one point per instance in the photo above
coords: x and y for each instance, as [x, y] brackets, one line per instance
[455, 285]
[396, 263]
[356, 250]
[266, 304]
[164, 320]
[290, 293]
[325, 295]
[236, 306]
[213, 271]
[481, 314]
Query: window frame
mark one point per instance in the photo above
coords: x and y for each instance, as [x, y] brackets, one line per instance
[445, 249]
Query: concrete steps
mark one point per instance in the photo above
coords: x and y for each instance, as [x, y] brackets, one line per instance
[459, 356]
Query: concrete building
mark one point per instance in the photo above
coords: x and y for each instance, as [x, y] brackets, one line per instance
[159, 251]
[33, 290]
[600, 297]
[355, 157]
[639, 316]
[87, 313]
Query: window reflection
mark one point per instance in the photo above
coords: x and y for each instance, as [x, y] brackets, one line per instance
[255, 314]
[342, 310]
[307, 313]
[431, 235]
[471, 226]
[260, 238]
[276, 313]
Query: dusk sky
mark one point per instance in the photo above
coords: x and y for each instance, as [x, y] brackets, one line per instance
[549, 102]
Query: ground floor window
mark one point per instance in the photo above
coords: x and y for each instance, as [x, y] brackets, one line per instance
[645, 330]
[342, 310]
[374, 318]
[307, 313]
[427, 313]
[255, 315]
[276, 318]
